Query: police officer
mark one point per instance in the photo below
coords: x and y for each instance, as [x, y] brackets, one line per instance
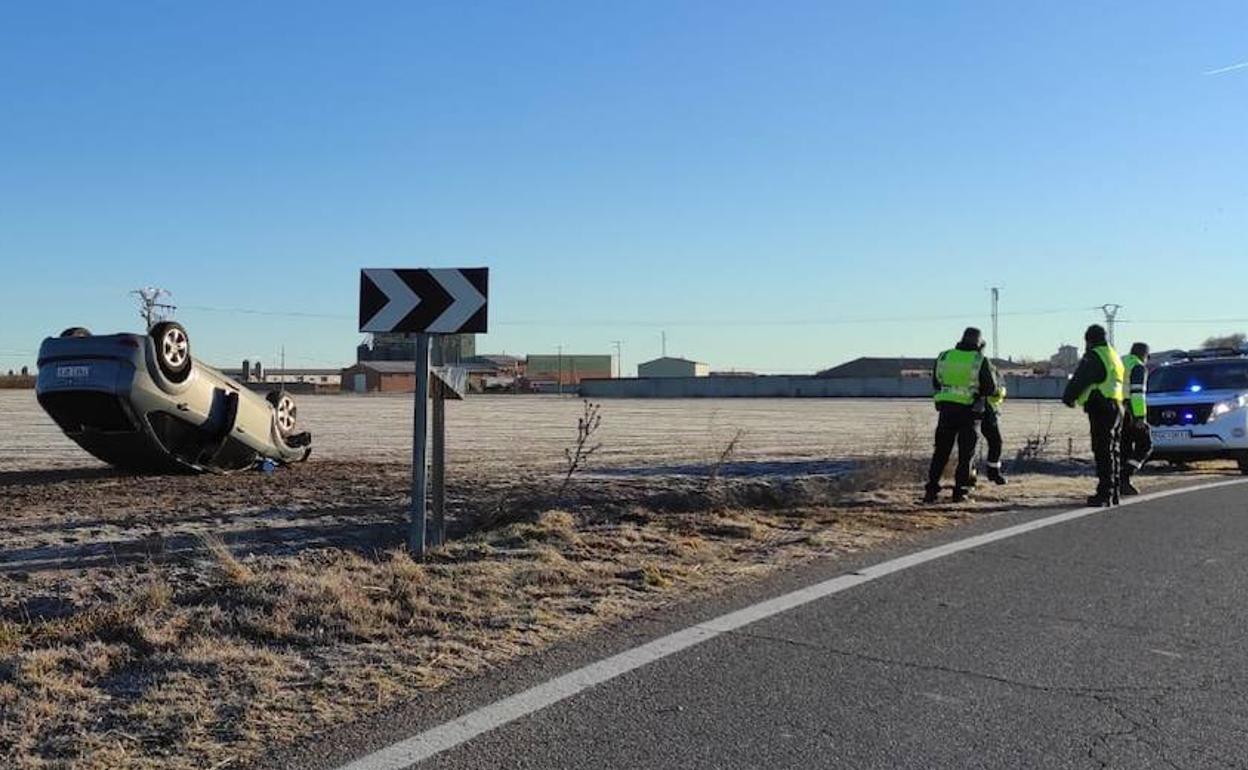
[960, 376]
[990, 426]
[1097, 386]
[1137, 439]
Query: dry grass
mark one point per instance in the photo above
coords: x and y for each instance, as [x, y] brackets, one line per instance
[222, 656]
[187, 664]
[229, 567]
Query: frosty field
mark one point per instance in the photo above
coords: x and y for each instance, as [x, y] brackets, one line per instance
[493, 434]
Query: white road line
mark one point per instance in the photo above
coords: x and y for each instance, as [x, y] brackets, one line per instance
[446, 736]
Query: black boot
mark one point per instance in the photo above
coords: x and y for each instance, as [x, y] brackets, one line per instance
[960, 494]
[1100, 500]
[1126, 488]
[931, 494]
[996, 476]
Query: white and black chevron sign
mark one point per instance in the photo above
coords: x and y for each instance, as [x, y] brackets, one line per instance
[435, 301]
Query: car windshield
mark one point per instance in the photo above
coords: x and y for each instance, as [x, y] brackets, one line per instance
[1197, 377]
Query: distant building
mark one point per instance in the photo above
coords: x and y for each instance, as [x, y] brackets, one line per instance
[493, 372]
[568, 369]
[380, 377]
[456, 348]
[485, 373]
[1064, 361]
[910, 367]
[259, 376]
[668, 366]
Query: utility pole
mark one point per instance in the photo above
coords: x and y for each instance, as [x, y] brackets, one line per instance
[559, 383]
[152, 309]
[664, 338]
[996, 300]
[1111, 312]
[619, 358]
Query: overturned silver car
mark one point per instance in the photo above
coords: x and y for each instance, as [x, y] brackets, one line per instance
[142, 403]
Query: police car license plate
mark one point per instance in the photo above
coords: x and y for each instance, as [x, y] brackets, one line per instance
[73, 372]
[1163, 436]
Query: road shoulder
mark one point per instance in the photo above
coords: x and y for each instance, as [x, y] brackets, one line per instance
[351, 741]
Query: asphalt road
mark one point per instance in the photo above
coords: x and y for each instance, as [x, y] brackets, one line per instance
[1116, 640]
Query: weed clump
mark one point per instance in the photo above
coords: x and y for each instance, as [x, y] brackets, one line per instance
[234, 571]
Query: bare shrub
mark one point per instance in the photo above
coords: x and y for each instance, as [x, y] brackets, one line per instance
[1036, 445]
[898, 460]
[579, 453]
[717, 467]
[1235, 340]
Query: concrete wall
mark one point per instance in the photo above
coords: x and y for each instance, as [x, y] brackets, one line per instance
[799, 386]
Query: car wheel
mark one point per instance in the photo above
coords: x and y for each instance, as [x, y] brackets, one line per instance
[1242, 460]
[76, 331]
[173, 350]
[284, 410]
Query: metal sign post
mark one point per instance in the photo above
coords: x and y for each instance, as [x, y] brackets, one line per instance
[438, 460]
[424, 303]
[420, 435]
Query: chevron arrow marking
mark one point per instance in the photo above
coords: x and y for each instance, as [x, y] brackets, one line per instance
[466, 301]
[401, 301]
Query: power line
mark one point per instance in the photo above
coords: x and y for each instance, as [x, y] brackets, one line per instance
[737, 321]
[757, 322]
[253, 311]
[1183, 320]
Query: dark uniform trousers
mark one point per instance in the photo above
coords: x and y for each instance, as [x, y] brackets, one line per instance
[956, 425]
[1136, 446]
[991, 428]
[1105, 420]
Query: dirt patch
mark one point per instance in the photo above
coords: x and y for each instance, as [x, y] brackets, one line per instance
[198, 621]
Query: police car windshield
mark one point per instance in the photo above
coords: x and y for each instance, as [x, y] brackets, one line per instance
[1198, 377]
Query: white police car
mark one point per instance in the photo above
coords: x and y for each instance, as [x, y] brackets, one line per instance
[1198, 408]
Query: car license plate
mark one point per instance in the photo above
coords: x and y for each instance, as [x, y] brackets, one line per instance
[73, 372]
[1162, 436]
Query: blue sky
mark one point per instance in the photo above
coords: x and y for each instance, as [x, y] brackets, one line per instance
[779, 186]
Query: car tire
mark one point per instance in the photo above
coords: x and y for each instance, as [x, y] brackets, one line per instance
[173, 350]
[76, 331]
[1242, 460]
[285, 412]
